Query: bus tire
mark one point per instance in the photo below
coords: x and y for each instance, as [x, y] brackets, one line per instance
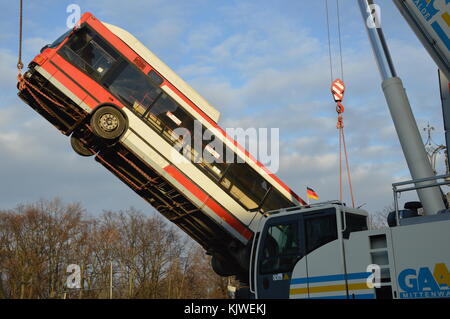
[108, 123]
[79, 147]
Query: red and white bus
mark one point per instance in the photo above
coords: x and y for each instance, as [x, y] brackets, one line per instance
[121, 103]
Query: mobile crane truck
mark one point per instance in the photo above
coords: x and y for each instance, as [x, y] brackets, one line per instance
[326, 250]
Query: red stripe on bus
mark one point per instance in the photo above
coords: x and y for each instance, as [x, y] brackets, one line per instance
[85, 81]
[66, 82]
[208, 201]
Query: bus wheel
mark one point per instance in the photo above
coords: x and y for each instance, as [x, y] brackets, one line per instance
[79, 147]
[108, 123]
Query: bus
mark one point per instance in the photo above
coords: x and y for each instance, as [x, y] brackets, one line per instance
[121, 104]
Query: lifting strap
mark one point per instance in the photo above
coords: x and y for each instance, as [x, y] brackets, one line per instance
[342, 146]
[337, 91]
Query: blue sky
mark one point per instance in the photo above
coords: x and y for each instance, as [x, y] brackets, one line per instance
[260, 63]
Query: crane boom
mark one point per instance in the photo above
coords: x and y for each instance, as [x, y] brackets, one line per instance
[402, 116]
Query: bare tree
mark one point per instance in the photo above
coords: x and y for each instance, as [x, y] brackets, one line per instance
[149, 258]
[378, 220]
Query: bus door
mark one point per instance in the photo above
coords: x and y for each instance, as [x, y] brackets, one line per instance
[280, 248]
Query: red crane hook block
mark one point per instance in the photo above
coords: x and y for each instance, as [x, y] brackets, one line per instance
[338, 89]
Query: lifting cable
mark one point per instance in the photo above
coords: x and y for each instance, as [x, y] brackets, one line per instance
[329, 42]
[19, 62]
[337, 90]
[339, 38]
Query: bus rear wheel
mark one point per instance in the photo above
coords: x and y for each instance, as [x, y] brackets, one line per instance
[108, 123]
[79, 147]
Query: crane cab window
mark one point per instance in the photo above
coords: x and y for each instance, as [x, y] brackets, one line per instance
[354, 223]
[281, 248]
[320, 230]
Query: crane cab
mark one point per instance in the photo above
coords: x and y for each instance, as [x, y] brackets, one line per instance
[283, 255]
[327, 251]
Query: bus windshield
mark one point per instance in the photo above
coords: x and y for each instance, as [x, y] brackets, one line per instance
[89, 53]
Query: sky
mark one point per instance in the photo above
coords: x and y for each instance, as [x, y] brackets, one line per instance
[262, 64]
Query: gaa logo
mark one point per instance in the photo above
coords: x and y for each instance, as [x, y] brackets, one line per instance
[424, 283]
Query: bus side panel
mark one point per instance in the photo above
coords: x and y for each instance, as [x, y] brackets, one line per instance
[63, 83]
[161, 150]
[42, 71]
[422, 259]
[131, 140]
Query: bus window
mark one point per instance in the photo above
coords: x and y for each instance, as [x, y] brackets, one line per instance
[89, 53]
[155, 77]
[216, 166]
[320, 230]
[215, 157]
[133, 88]
[245, 185]
[281, 249]
[274, 200]
[172, 116]
[163, 105]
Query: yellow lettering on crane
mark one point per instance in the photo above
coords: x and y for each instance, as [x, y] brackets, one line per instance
[441, 274]
[446, 18]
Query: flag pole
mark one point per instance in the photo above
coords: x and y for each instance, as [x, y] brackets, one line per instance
[307, 197]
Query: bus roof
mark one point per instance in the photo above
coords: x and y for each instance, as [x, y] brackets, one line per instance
[165, 71]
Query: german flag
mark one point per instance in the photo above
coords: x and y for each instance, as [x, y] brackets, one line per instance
[311, 193]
